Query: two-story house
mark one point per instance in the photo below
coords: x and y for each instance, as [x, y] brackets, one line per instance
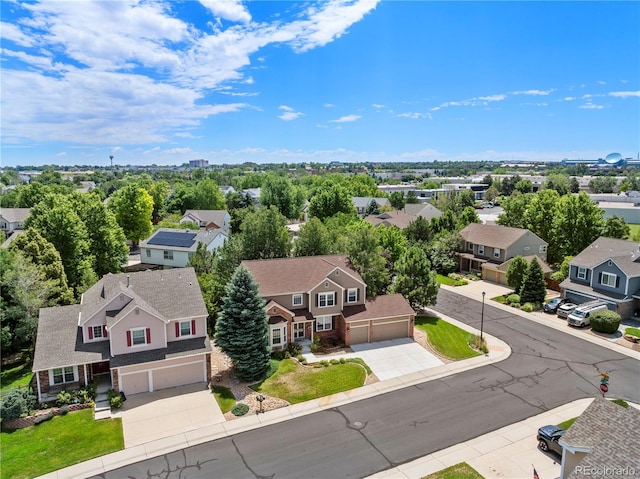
[11, 219]
[487, 247]
[360, 203]
[208, 219]
[139, 331]
[172, 248]
[325, 296]
[607, 269]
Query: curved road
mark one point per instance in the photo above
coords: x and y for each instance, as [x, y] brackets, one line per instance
[546, 369]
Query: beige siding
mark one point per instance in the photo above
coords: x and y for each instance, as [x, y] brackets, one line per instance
[133, 320]
[391, 328]
[347, 281]
[286, 301]
[201, 329]
[326, 287]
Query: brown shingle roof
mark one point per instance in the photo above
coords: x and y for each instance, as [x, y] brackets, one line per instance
[296, 275]
[15, 215]
[494, 236]
[625, 253]
[379, 307]
[395, 218]
[207, 216]
[426, 210]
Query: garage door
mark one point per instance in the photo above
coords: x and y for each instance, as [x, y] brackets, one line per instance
[359, 334]
[134, 383]
[398, 329]
[178, 376]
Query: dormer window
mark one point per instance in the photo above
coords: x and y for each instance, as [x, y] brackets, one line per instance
[582, 272]
[480, 249]
[296, 300]
[97, 332]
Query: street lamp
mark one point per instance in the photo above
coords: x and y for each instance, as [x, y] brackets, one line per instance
[482, 318]
[260, 398]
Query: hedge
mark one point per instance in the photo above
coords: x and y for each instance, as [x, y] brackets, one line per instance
[605, 321]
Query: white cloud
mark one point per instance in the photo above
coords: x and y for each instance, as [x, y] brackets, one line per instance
[602, 82]
[625, 94]
[535, 92]
[232, 10]
[289, 113]
[491, 98]
[328, 105]
[377, 106]
[591, 106]
[346, 119]
[569, 98]
[62, 153]
[414, 115]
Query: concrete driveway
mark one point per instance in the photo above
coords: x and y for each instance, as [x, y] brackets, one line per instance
[150, 416]
[389, 359]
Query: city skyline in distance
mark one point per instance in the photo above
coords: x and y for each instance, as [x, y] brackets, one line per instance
[350, 81]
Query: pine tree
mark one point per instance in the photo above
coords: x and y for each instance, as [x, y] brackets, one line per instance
[242, 330]
[533, 288]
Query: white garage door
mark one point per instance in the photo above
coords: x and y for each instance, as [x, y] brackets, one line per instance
[178, 376]
[397, 329]
[359, 334]
[134, 383]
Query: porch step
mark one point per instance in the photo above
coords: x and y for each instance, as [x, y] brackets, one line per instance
[102, 407]
[102, 414]
[102, 404]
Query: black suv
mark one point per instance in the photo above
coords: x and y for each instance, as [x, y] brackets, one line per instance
[551, 306]
[548, 437]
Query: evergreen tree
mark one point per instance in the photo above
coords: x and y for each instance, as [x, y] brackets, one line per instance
[616, 227]
[415, 279]
[533, 288]
[242, 330]
[516, 272]
[372, 208]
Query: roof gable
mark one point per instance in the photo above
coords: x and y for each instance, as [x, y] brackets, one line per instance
[626, 255]
[494, 236]
[15, 215]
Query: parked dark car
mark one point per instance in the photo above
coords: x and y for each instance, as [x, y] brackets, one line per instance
[548, 437]
[551, 306]
[566, 309]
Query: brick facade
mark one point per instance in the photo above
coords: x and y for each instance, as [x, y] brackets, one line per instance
[115, 383]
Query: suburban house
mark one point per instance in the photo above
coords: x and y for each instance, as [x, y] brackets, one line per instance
[488, 247]
[398, 219]
[172, 248]
[602, 442]
[12, 218]
[426, 210]
[360, 203]
[140, 332]
[607, 269]
[208, 219]
[325, 296]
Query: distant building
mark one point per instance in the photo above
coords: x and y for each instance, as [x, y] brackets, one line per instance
[12, 219]
[198, 163]
[171, 248]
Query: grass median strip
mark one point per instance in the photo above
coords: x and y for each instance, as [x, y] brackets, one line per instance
[225, 398]
[458, 471]
[296, 383]
[63, 441]
[447, 339]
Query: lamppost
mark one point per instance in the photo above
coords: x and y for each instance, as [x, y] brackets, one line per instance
[482, 318]
[260, 398]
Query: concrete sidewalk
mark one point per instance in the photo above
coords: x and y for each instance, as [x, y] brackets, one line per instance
[498, 351]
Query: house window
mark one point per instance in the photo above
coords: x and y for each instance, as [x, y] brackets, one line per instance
[185, 328]
[608, 279]
[276, 336]
[324, 323]
[64, 375]
[138, 336]
[296, 300]
[352, 295]
[97, 332]
[496, 252]
[148, 253]
[542, 248]
[298, 330]
[582, 272]
[326, 300]
[470, 246]
[480, 249]
[168, 254]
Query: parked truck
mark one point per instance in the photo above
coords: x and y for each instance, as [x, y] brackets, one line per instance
[580, 316]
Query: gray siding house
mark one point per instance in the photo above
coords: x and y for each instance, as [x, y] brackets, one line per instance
[607, 269]
[493, 244]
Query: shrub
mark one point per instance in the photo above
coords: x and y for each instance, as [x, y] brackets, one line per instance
[513, 298]
[115, 402]
[240, 409]
[342, 361]
[17, 402]
[64, 397]
[43, 417]
[294, 349]
[515, 305]
[64, 410]
[478, 345]
[334, 361]
[605, 321]
[280, 354]
[621, 402]
[455, 276]
[528, 307]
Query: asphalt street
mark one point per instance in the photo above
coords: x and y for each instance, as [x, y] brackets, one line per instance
[546, 369]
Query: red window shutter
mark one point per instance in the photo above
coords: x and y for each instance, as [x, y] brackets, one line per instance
[90, 328]
[193, 326]
[129, 338]
[104, 331]
[177, 329]
[148, 335]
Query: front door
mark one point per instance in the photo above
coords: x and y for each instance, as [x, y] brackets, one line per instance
[100, 368]
[298, 330]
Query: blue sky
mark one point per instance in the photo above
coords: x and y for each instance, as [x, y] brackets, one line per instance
[231, 81]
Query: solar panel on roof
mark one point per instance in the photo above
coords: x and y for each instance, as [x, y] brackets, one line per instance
[173, 238]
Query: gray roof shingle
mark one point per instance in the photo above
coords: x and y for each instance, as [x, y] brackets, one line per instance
[625, 253]
[15, 215]
[207, 216]
[494, 236]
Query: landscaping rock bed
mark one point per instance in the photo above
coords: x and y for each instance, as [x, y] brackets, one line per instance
[28, 421]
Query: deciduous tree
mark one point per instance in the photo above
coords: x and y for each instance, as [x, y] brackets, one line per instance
[334, 199]
[415, 279]
[242, 331]
[616, 227]
[265, 235]
[365, 253]
[313, 239]
[133, 207]
[516, 272]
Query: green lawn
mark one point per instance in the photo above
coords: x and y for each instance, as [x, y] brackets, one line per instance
[634, 230]
[16, 376]
[224, 396]
[296, 383]
[567, 424]
[60, 442]
[442, 279]
[632, 332]
[449, 340]
[459, 471]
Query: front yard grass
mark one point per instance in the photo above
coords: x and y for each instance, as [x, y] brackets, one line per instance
[632, 332]
[458, 471]
[296, 383]
[442, 279]
[449, 340]
[16, 376]
[60, 442]
[225, 398]
[634, 231]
